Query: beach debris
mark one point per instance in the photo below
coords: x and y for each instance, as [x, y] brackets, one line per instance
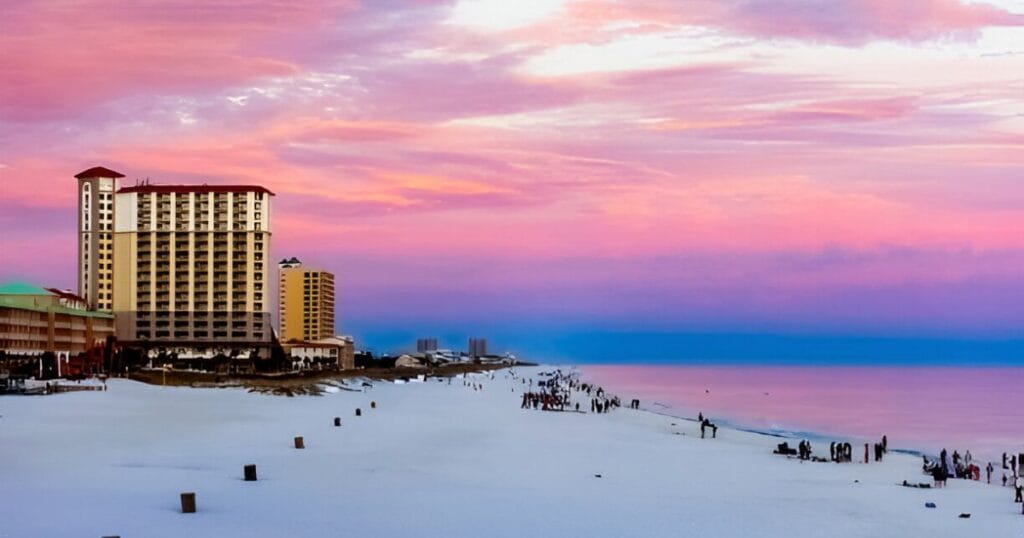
[300, 442]
[373, 405]
[250, 472]
[337, 421]
[188, 503]
[964, 515]
[359, 412]
[597, 476]
[921, 485]
[929, 505]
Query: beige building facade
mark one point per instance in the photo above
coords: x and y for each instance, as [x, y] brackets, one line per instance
[305, 302]
[184, 268]
[96, 190]
[191, 265]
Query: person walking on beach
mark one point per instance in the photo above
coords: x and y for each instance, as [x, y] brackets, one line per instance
[989, 470]
[1019, 485]
[885, 444]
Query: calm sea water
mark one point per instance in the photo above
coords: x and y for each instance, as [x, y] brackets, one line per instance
[918, 408]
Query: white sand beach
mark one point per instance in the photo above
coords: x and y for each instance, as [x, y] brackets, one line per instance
[438, 460]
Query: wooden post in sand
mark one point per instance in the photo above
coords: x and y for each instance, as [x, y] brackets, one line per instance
[188, 503]
[250, 473]
[299, 443]
[337, 421]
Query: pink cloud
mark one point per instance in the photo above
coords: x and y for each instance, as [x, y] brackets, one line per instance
[614, 192]
[855, 22]
[62, 57]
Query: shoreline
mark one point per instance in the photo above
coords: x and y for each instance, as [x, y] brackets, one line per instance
[830, 404]
[439, 458]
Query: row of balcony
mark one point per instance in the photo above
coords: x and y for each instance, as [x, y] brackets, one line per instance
[197, 335]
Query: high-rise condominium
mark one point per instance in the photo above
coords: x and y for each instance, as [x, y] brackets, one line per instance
[306, 302]
[189, 262]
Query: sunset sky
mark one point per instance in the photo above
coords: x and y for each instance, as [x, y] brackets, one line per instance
[684, 178]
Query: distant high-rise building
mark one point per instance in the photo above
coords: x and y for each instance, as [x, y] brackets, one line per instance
[96, 189]
[477, 347]
[306, 302]
[424, 345]
[190, 266]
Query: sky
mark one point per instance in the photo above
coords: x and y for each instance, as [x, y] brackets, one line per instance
[572, 179]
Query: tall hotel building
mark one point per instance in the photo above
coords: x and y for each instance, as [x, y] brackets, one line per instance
[306, 302]
[96, 188]
[189, 266]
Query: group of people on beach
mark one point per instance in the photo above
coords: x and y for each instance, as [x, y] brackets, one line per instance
[956, 467]
[840, 452]
[705, 425]
[1015, 464]
[555, 394]
[964, 467]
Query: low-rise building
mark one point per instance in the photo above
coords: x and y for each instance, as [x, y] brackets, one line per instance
[35, 320]
[323, 354]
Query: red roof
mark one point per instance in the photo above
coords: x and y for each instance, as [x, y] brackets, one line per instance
[65, 294]
[194, 188]
[98, 171]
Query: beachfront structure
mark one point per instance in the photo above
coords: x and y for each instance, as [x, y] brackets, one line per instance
[96, 189]
[35, 320]
[323, 354]
[178, 265]
[477, 347]
[305, 302]
[190, 267]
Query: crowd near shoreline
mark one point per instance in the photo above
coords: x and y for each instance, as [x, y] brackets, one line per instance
[555, 406]
[556, 390]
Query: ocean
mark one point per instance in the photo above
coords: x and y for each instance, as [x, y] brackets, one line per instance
[919, 408]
